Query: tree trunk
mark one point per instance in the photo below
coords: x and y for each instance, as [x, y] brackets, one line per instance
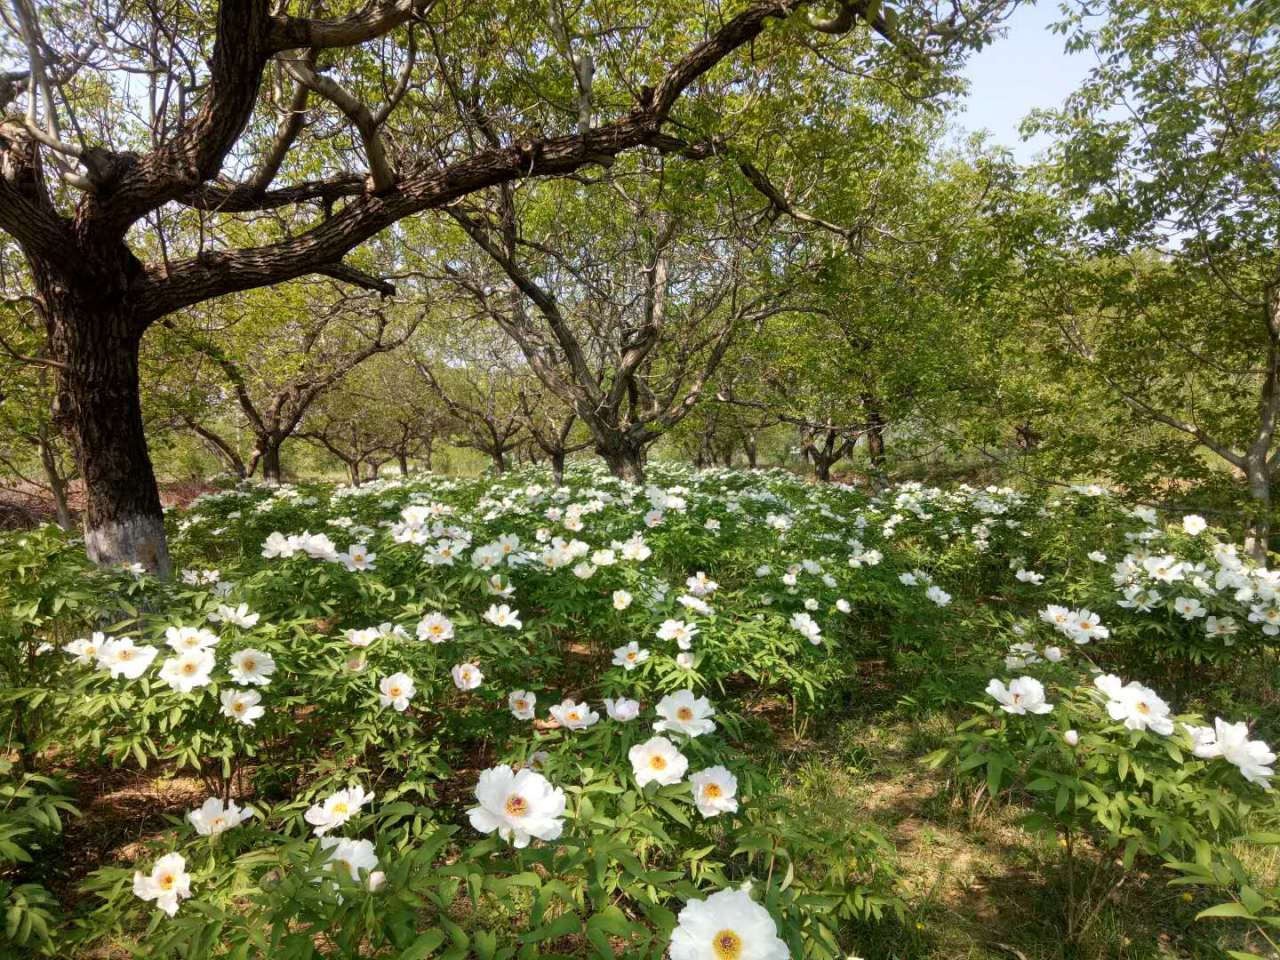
[353, 472]
[402, 460]
[95, 337]
[499, 461]
[1258, 535]
[875, 433]
[626, 461]
[749, 445]
[270, 459]
[57, 485]
[557, 467]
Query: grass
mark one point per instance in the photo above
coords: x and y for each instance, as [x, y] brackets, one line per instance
[977, 886]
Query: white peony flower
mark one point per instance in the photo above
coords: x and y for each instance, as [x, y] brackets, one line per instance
[630, 656]
[503, 616]
[353, 856]
[715, 791]
[396, 691]
[435, 627]
[236, 616]
[520, 806]
[1189, 608]
[86, 650]
[242, 705]
[1137, 706]
[188, 670]
[1194, 524]
[336, 809]
[521, 703]
[682, 712]
[183, 639]
[466, 676]
[574, 716]
[122, 659]
[622, 709]
[728, 925]
[807, 627]
[657, 761]
[679, 631]
[1231, 741]
[212, 817]
[1023, 695]
[252, 666]
[167, 884]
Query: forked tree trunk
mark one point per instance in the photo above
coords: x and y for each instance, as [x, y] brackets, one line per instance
[99, 409]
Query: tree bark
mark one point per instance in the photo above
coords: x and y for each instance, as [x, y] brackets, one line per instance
[1258, 534]
[557, 467]
[402, 461]
[752, 451]
[270, 459]
[625, 460]
[95, 337]
[499, 461]
[875, 432]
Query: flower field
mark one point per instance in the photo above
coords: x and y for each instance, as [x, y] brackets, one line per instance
[435, 717]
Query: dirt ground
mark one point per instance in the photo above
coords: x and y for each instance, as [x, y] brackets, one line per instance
[23, 506]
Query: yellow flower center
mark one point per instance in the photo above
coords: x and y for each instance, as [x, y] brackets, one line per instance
[658, 762]
[238, 706]
[685, 714]
[248, 664]
[517, 806]
[188, 667]
[727, 945]
[1143, 708]
[573, 716]
[341, 808]
[394, 691]
[632, 655]
[521, 704]
[712, 791]
[167, 880]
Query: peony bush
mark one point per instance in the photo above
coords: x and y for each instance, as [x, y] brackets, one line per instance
[500, 718]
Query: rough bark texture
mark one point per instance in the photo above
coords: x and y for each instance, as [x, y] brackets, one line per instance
[94, 336]
[270, 459]
[626, 461]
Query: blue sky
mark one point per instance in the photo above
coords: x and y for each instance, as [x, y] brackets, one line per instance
[1025, 69]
